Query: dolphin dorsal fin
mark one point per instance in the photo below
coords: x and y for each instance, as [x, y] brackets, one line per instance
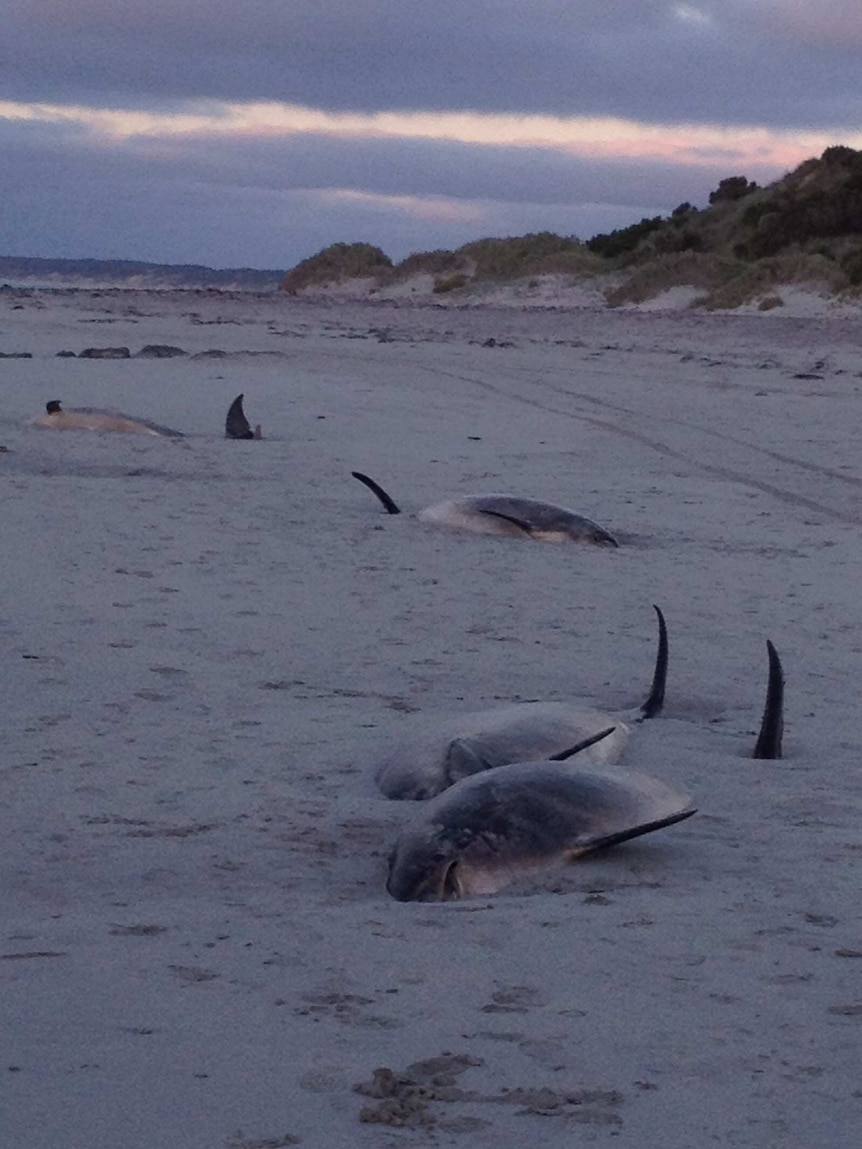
[584, 744]
[236, 426]
[768, 743]
[388, 502]
[655, 700]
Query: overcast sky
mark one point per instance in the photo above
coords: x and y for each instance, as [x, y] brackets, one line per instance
[251, 133]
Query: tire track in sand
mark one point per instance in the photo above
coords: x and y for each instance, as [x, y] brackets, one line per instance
[661, 447]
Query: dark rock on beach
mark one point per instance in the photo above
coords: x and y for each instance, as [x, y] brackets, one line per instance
[160, 351]
[105, 353]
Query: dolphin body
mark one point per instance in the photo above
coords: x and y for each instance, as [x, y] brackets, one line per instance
[508, 516]
[98, 419]
[490, 828]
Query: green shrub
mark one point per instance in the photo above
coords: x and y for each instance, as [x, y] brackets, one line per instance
[623, 239]
[539, 253]
[765, 274]
[731, 189]
[682, 269]
[851, 265]
[427, 263]
[444, 283]
[335, 264]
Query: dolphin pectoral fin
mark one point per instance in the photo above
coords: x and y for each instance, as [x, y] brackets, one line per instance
[521, 524]
[602, 843]
[388, 502]
[768, 743]
[655, 699]
[463, 760]
[582, 745]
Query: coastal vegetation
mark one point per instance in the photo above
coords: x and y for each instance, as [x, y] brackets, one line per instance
[805, 228]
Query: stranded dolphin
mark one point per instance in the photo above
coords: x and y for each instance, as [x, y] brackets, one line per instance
[493, 827]
[98, 419]
[520, 819]
[505, 515]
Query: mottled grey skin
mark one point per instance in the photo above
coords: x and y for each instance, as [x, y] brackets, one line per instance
[437, 756]
[488, 829]
[508, 516]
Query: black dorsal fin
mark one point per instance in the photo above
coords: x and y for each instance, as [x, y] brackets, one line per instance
[583, 745]
[387, 500]
[236, 426]
[655, 699]
[768, 743]
[520, 523]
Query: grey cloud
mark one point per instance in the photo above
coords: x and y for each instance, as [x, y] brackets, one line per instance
[396, 167]
[631, 58]
[153, 207]
[393, 167]
[260, 201]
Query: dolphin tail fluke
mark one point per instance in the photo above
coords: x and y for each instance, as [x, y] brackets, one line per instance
[655, 700]
[388, 502]
[768, 743]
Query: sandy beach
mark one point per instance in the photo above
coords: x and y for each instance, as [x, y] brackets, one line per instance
[209, 643]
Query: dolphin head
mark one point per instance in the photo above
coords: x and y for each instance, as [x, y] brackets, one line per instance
[423, 867]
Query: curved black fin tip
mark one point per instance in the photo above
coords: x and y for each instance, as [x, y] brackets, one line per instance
[388, 502]
[655, 700]
[768, 743]
[578, 747]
